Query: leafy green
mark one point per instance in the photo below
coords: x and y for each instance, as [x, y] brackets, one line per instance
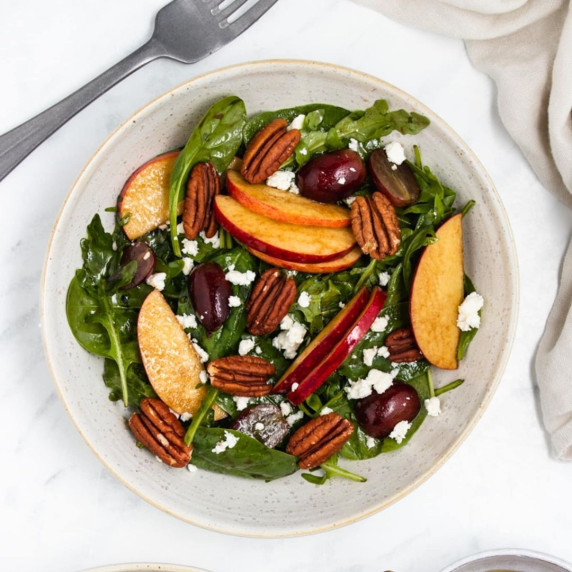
[248, 458]
[138, 386]
[331, 469]
[216, 138]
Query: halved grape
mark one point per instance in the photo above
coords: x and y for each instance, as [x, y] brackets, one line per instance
[264, 422]
[143, 254]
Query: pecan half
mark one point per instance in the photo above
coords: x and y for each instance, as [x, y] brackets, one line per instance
[319, 439]
[375, 226]
[245, 376]
[269, 302]
[198, 210]
[161, 432]
[402, 346]
[267, 150]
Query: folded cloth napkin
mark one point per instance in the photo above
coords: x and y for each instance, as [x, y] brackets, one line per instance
[525, 46]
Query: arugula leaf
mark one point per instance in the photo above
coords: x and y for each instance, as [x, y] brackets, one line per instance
[248, 458]
[216, 138]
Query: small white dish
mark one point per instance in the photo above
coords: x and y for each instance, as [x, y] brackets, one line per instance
[142, 567]
[254, 508]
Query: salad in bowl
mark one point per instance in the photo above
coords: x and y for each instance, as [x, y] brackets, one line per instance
[275, 295]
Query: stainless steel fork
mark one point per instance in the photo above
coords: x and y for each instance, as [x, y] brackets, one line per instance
[185, 30]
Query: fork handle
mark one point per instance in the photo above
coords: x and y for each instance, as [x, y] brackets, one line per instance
[17, 144]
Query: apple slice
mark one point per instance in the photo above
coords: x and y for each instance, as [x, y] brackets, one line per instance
[283, 205]
[145, 196]
[323, 343]
[436, 293]
[341, 350]
[170, 360]
[336, 265]
[280, 239]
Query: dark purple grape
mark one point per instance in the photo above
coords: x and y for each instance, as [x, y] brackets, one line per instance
[378, 414]
[142, 253]
[331, 177]
[396, 182]
[209, 291]
[264, 422]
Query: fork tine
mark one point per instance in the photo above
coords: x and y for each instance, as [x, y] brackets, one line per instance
[230, 9]
[246, 20]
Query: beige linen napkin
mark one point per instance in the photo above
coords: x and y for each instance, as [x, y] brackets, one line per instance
[525, 46]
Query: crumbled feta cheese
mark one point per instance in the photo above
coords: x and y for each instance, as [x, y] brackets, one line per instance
[157, 280]
[342, 181]
[180, 228]
[286, 323]
[295, 417]
[228, 442]
[240, 278]
[281, 180]
[203, 355]
[164, 226]
[289, 339]
[185, 417]
[370, 442]
[433, 406]
[341, 305]
[245, 346]
[350, 200]
[468, 317]
[376, 380]
[294, 189]
[290, 273]
[383, 351]
[234, 301]
[384, 278]
[395, 152]
[191, 468]
[188, 264]
[286, 408]
[190, 247]
[241, 402]
[369, 355]
[297, 122]
[326, 410]
[304, 300]
[400, 431]
[353, 145]
[258, 426]
[203, 376]
[213, 240]
[257, 350]
[379, 324]
[187, 321]
[295, 386]
[303, 151]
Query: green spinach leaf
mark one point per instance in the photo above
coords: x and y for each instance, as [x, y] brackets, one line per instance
[466, 337]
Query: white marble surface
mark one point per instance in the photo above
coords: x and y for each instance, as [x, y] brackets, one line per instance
[60, 510]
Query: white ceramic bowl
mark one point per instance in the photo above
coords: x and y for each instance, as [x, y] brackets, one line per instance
[511, 559]
[246, 507]
[142, 567]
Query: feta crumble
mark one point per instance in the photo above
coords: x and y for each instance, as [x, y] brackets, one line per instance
[157, 280]
[228, 442]
[294, 418]
[188, 264]
[192, 468]
[395, 152]
[376, 380]
[369, 354]
[342, 181]
[350, 200]
[433, 406]
[245, 346]
[186, 416]
[383, 351]
[281, 180]
[213, 240]
[234, 301]
[384, 278]
[286, 408]
[180, 228]
[379, 324]
[353, 145]
[370, 442]
[259, 426]
[400, 431]
[190, 247]
[304, 300]
[290, 338]
[187, 321]
[240, 278]
[203, 355]
[241, 402]
[257, 350]
[203, 376]
[326, 410]
[468, 317]
[295, 386]
[297, 122]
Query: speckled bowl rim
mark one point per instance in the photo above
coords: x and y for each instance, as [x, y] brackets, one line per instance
[144, 567]
[512, 264]
[516, 552]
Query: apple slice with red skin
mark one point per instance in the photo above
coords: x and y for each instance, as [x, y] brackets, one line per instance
[322, 344]
[341, 350]
[282, 240]
[145, 196]
[283, 205]
[336, 265]
[436, 292]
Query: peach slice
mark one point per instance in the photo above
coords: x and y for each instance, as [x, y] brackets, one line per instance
[436, 293]
[283, 205]
[336, 265]
[170, 360]
[282, 240]
[145, 196]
